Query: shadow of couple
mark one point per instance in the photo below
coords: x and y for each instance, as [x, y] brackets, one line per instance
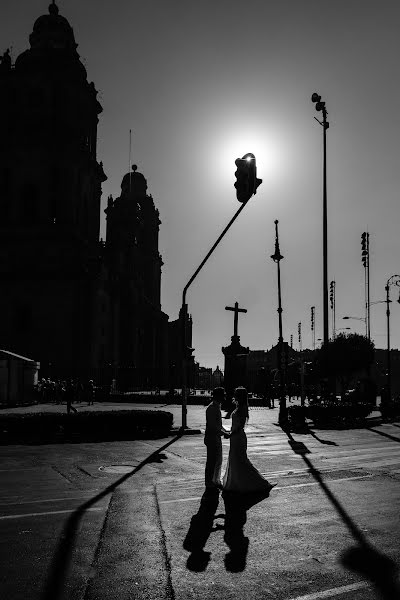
[235, 517]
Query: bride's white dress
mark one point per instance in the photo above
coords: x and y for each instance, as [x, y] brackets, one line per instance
[240, 474]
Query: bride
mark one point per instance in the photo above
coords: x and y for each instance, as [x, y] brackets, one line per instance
[240, 474]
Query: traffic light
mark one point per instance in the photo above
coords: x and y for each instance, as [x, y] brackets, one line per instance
[365, 248]
[312, 318]
[246, 177]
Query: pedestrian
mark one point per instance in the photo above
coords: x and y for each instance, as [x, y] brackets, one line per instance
[212, 439]
[70, 396]
[79, 392]
[89, 392]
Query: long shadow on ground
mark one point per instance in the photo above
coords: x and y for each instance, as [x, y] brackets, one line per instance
[382, 433]
[236, 507]
[62, 556]
[363, 558]
[202, 525]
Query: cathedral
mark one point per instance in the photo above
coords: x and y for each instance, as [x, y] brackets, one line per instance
[79, 305]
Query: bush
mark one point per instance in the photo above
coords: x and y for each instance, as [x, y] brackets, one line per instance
[390, 410]
[96, 426]
[337, 413]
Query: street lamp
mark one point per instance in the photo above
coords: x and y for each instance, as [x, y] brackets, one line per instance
[393, 280]
[367, 319]
[356, 318]
[246, 186]
[277, 257]
[320, 106]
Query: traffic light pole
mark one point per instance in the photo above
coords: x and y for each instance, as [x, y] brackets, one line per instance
[368, 296]
[184, 314]
[325, 236]
[320, 106]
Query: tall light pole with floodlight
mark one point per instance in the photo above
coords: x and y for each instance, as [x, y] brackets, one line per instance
[321, 107]
[365, 262]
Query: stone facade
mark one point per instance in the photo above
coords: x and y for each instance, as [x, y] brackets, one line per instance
[76, 304]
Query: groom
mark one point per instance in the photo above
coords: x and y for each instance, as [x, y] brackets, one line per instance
[212, 439]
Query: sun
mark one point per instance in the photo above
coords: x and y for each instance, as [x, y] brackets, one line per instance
[266, 148]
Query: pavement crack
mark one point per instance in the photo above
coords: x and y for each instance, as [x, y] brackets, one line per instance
[170, 593]
[62, 474]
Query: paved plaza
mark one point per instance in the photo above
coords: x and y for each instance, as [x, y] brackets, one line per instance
[130, 520]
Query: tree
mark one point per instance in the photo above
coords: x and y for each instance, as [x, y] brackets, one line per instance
[343, 357]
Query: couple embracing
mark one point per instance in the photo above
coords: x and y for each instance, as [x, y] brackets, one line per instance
[240, 475]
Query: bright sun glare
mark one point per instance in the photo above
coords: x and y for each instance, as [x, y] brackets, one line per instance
[267, 150]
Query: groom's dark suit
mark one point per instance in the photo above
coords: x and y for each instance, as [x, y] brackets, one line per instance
[213, 442]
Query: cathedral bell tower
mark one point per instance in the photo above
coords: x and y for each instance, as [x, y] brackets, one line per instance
[50, 190]
[139, 325]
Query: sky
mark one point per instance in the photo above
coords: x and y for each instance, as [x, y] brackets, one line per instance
[201, 83]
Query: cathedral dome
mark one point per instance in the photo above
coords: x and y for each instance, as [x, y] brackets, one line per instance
[52, 31]
[53, 47]
[134, 183]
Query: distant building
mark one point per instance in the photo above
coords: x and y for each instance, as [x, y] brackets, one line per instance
[217, 378]
[18, 378]
[203, 377]
[175, 345]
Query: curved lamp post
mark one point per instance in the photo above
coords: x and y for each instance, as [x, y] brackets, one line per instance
[277, 257]
[393, 280]
[367, 319]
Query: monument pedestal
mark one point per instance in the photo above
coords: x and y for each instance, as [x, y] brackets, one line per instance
[235, 366]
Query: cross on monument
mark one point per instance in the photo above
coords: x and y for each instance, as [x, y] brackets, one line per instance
[236, 310]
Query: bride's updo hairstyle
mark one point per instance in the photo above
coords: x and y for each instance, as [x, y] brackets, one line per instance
[242, 402]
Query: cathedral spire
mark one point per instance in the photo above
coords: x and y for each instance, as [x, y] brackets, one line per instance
[53, 8]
